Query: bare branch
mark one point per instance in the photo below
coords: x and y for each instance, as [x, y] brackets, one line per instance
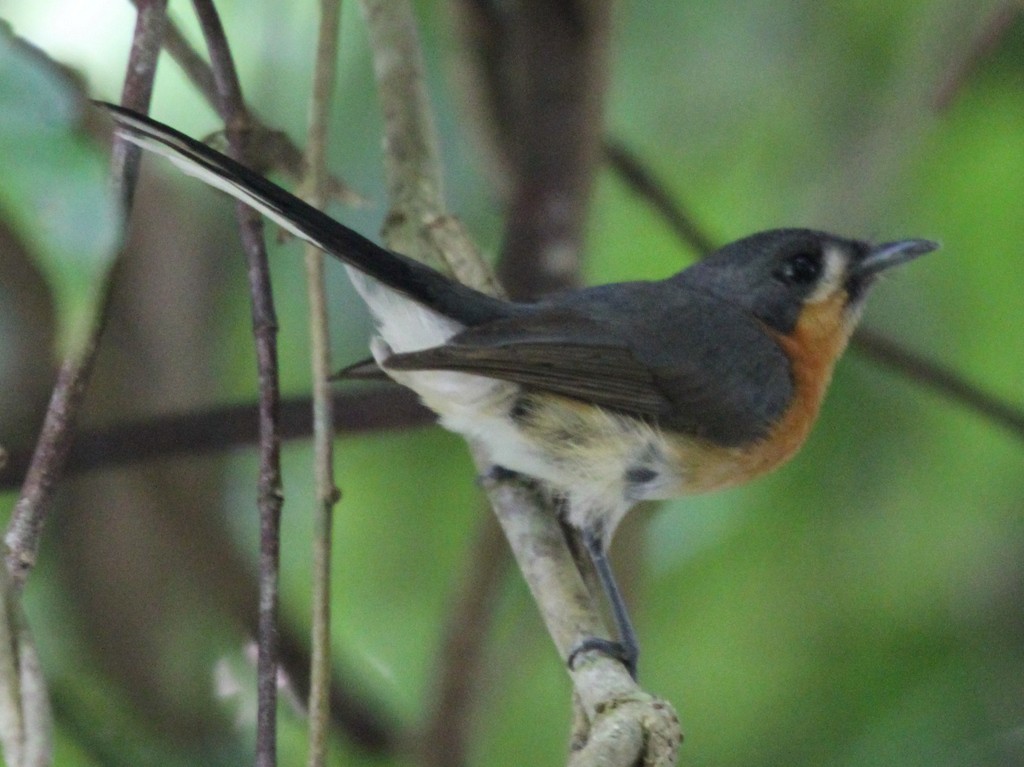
[529, 522]
[961, 68]
[270, 149]
[327, 492]
[639, 178]
[222, 428]
[50, 457]
[940, 379]
[269, 495]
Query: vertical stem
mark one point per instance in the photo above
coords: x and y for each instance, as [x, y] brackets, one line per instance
[51, 453]
[323, 411]
[412, 165]
[264, 321]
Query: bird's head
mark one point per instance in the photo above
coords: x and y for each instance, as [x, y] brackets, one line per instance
[781, 274]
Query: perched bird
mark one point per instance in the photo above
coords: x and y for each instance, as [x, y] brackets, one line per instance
[608, 395]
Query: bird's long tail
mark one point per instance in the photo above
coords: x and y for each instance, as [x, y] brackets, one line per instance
[398, 272]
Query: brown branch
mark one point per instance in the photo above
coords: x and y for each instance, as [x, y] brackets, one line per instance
[221, 428]
[618, 711]
[872, 344]
[269, 148]
[638, 177]
[56, 436]
[539, 70]
[617, 723]
[961, 68]
[327, 492]
[232, 110]
[460, 659]
[940, 379]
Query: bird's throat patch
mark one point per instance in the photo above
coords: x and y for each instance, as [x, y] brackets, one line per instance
[817, 341]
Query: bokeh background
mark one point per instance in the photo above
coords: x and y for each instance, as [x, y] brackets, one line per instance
[861, 606]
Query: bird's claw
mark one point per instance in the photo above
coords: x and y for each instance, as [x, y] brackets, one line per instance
[619, 651]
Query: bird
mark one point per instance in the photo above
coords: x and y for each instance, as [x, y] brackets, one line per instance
[606, 395]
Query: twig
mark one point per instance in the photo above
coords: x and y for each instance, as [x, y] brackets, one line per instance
[418, 226]
[540, 74]
[221, 428]
[638, 177]
[327, 493]
[26, 722]
[27, 736]
[939, 378]
[269, 148]
[411, 158]
[529, 523]
[269, 496]
[961, 68]
[623, 724]
[871, 343]
[57, 433]
[460, 659]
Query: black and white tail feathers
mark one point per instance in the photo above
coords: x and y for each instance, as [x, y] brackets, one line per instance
[394, 270]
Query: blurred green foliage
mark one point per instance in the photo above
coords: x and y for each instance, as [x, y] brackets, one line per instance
[55, 182]
[861, 606]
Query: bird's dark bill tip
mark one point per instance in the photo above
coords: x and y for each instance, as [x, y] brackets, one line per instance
[891, 254]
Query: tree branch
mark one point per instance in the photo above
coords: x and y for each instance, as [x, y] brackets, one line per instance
[26, 731]
[222, 428]
[983, 43]
[638, 177]
[232, 110]
[269, 148]
[57, 433]
[530, 524]
[327, 493]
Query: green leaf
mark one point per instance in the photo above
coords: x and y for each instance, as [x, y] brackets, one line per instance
[55, 189]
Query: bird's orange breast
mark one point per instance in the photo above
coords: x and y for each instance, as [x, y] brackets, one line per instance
[814, 345]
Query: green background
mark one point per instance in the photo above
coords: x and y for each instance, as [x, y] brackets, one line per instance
[861, 606]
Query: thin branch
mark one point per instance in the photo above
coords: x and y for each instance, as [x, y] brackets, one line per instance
[221, 428]
[264, 320]
[638, 177]
[327, 493]
[51, 453]
[411, 159]
[872, 344]
[940, 379]
[624, 725]
[270, 149]
[539, 71]
[460, 659]
[528, 520]
[962, 68]
[26, 699]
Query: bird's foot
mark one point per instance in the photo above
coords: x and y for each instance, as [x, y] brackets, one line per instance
[626, 654]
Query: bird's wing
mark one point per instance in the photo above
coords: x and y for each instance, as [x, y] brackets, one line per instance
[693, 367]
[554, 352]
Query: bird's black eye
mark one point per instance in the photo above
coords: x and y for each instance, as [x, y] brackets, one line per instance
[801, 268]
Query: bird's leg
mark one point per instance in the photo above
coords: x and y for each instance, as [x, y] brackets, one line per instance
[626, 649]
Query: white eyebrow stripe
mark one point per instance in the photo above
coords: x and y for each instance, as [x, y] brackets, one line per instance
[833, 276]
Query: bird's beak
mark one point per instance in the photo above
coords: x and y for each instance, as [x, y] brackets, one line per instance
[888, 254]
